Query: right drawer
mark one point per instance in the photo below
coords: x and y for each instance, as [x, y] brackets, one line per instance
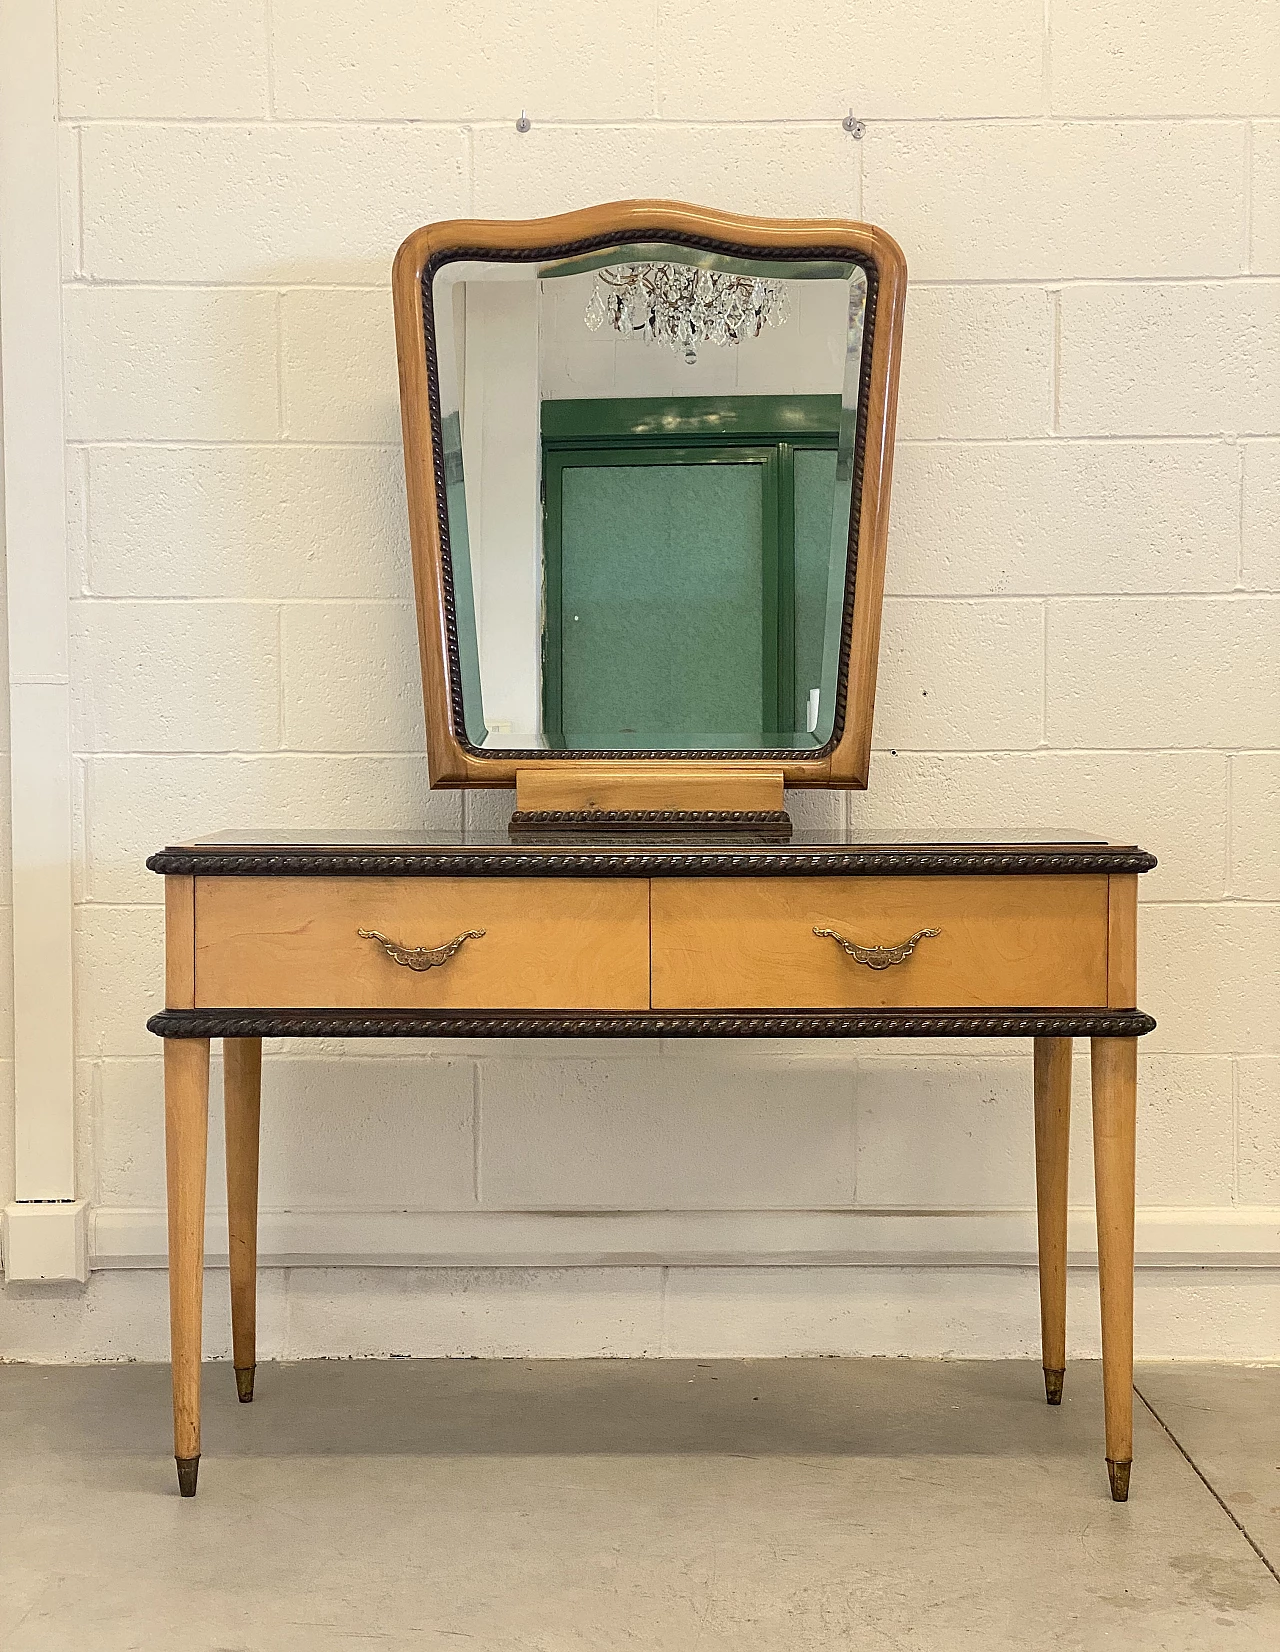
[749, 943]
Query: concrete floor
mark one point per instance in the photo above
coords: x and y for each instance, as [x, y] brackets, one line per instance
[727, 1506]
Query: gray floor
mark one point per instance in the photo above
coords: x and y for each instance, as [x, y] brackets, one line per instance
[746, 1505]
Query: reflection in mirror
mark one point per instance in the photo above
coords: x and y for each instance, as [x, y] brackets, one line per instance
[648, 455]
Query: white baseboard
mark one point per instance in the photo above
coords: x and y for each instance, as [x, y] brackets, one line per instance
[46, 1239]
[1167, 1237]
[1208, 1313]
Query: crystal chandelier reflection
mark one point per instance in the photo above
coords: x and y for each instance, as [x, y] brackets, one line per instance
[682, 306]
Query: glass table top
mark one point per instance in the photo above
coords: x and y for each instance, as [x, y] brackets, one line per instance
[490, 837]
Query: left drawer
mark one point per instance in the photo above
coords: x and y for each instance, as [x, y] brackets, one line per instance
[548, 943]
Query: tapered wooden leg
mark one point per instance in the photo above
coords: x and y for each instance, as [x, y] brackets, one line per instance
[186, 1142]
[242, 1101]
[1053, 1143]
[1115, 1095]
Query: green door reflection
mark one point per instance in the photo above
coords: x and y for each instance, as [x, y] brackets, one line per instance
[667, 613]
[688, 572]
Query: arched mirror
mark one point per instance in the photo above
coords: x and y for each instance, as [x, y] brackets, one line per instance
[648, 453]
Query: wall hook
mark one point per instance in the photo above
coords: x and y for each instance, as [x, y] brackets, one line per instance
[523, 124]
[853, 126]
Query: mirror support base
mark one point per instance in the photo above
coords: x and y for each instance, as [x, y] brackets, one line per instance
[623, 798]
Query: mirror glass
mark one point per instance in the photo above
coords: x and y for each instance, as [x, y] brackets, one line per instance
[648, 455]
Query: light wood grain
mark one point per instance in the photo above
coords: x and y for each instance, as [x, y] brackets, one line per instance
[599, 786]
[1115, 1087]
[448, 763]
[242, 1106]
[291, 943]
[179, 943]
[748, 943]
[1053, 1151]
[1122, 941]
[186, 1139]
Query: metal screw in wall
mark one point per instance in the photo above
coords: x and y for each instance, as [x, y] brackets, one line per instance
[524, 123]
[853, 126]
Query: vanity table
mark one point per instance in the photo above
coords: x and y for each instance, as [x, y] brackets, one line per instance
[596, 938]
[648, 596]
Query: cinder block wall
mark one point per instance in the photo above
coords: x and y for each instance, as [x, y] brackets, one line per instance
[1081, 627]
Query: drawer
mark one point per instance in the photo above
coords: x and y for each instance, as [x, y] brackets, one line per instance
[730, 943]
[293, 943]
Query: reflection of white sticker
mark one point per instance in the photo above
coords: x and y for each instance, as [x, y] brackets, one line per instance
[811, 716]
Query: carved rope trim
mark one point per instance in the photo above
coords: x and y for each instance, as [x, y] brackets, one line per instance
[676, 817]
[682, 862]
[999, 1023]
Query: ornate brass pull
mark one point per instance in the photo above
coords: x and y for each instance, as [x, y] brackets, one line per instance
[419, 957]
[878, 957]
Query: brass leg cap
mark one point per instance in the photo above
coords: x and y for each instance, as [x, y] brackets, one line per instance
[1119, 1473]
[1053, 1385]
[188, 1468]
[244, 1382]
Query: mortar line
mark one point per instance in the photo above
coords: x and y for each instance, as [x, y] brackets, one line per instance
[81, 780]
[943, 443]
[656, 102]
[80, 265]
[1100, 439]
[270, 65]
[1240, 514]
[991, 599]
[282, 425]
[1151, 278]
[638, 121]
[85, 571]
[1235, 1132]
[95, 1115]
[1248, 196]
[1207, 1483]
[418, 755]
[280, 694]
[1055, 361]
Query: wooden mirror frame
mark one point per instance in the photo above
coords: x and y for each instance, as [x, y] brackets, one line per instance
[627, 783]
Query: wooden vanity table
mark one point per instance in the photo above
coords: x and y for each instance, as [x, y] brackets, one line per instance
[648, 451]
[599, 938]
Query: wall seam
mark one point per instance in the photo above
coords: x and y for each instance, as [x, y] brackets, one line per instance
[269, 31]
[1235, 1131]
[1055, 361]
[282, 418]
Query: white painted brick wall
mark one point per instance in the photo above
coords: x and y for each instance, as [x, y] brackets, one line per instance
[1009, 200]
[362, 402]
[977, 361]
[1265, 216]
[1082, 627]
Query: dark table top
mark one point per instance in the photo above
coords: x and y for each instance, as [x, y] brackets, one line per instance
[458, 852]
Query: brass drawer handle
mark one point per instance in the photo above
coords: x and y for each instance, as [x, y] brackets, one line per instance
[878, 957]
[419, 957]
